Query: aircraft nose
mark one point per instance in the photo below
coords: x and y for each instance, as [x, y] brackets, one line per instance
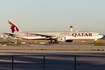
[102, 37]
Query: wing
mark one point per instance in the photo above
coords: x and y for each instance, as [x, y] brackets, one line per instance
[10, 34]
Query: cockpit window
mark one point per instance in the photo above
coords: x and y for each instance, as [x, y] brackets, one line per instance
[99, 34]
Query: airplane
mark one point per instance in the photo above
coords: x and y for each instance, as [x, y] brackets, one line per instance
[56, 36]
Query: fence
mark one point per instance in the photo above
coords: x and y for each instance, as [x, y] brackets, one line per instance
[51, 62]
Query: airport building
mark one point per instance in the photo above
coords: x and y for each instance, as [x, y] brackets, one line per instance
[4, 36]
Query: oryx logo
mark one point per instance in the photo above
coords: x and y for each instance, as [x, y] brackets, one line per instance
[13, 27]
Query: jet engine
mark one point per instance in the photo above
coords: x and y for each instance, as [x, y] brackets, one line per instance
[63, 39]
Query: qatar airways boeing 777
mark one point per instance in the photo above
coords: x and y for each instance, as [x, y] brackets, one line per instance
[56, 36]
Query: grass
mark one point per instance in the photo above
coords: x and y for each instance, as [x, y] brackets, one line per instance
[14, 45]
[99, 44]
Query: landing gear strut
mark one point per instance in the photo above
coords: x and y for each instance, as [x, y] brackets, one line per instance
[51, 40]
[95, 41]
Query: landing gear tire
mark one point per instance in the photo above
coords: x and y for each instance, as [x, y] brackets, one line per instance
[55, 41]
[50, 41]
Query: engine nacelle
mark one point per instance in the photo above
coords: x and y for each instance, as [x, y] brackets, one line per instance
[61, 39]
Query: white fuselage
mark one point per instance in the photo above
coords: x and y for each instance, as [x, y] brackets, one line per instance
[54, 35]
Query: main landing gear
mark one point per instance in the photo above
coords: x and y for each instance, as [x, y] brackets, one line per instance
[53, 41]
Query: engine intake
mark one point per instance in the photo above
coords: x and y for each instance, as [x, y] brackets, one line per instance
[69, 40]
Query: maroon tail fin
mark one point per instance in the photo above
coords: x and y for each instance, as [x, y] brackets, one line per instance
[13, 27]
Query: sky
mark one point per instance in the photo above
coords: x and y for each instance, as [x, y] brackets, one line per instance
[53, 15]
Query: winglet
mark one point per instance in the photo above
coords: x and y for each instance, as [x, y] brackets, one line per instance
[13, 27]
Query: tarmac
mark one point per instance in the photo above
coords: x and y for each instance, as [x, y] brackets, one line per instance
[37, 57]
